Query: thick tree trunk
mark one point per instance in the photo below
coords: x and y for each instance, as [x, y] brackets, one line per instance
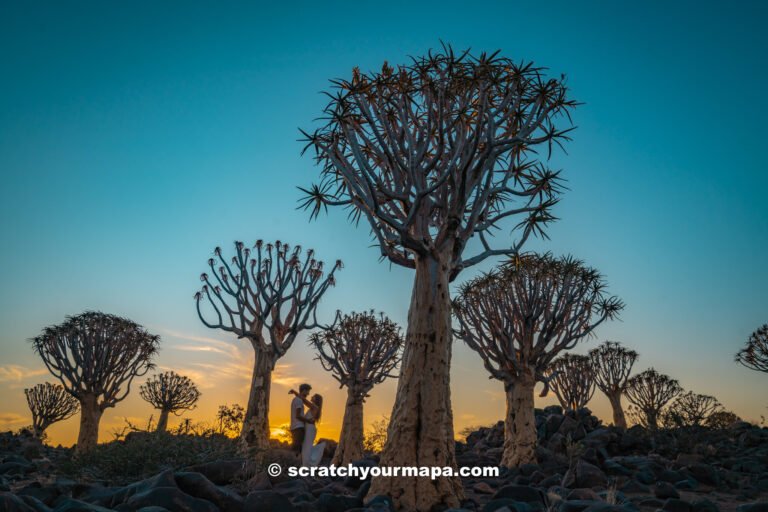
[420, 430]
[90, 416]
[618, 412]
[652, 417]
[162, 422]
[350, 446]
[520, 424]
[254, 436]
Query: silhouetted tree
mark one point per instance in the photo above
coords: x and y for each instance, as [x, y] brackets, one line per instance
[612, 364]
[360, 352]
[267, 296]
[690, 410]
[518, 319]
[754, 355]
[570, 376]
[49, 403]
[431, 154]
[650, 391]
[722, 419]
[96, 357]
[171, 393]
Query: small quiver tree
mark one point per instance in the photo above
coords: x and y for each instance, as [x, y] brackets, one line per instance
[49, 403]
[612, 365]
[96, 356]
[754, 355]
[362, 350]
[690, 410]
[649, 392]
[570, 377]
[431, 154]
[518, 319]
[170, 393]
[267, 295]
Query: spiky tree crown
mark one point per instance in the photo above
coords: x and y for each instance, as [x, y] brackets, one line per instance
[97, 353]
[521, 316]
[571, 377]
[169, 391]
[651, 391]
[612, 364]
[438, 150]
[50, 403]
[754, 355]
[691, 410]
[362, 350]
[266, 294]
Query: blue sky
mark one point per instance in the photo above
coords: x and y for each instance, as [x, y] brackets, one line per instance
[136, 137]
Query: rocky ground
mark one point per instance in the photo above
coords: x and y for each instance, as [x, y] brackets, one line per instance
[584, 466]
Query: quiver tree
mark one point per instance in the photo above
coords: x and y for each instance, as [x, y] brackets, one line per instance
[754, 355]
[49, 403]
[518, 319]
[691, 410]
[362, 350]
[96, 357]
[267, 295]
[570, 377]
[650, 391]
[612, 364]
[431, 154]
[171, 393]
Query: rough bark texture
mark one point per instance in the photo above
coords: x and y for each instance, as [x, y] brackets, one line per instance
[162, 421]
[520, 424]
[618, 412]
[90, 416]
[350, 446]
[255, 433]
[421, 426]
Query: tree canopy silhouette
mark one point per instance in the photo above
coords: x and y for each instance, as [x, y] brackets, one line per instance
[754, 355]
[650, 391]
[571, 377]
[96, 356]
[612, 364]
[49, 403]
[171, 393]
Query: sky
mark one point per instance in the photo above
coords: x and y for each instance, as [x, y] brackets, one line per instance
[136, 137]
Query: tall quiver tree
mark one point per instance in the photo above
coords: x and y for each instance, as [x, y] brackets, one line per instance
[171, 393]
[432, 154]
[267, 295]
[650, 391]
[362, 350]
[754, 355]
[518, 319]
[570, 376]
[49, 403]
[96, 357]
[612, 364]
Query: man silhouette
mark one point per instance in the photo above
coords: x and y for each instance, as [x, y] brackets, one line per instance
[297, 418]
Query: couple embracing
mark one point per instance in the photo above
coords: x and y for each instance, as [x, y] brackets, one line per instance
[304, 425]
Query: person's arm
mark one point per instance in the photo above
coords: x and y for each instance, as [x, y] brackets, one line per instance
[311, 405]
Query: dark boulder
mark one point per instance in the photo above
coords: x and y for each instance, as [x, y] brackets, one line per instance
[267, 501]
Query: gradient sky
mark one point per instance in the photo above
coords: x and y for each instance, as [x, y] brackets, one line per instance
[135, 137]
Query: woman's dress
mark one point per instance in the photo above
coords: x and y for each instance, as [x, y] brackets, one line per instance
[311, 454]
